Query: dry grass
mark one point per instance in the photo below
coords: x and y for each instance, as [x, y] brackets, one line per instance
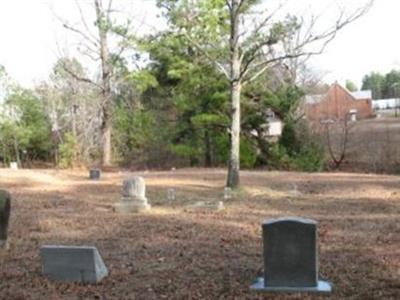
[171, 253]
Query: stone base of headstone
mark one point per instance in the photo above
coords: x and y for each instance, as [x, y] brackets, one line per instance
[322, 287]
[73, 264]
[131, 207]
[207, 206]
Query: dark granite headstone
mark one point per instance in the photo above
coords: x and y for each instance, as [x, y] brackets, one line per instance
[94, 174]
[290, 256]
[5, 208]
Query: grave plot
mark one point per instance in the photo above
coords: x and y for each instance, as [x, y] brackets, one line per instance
[171, 253]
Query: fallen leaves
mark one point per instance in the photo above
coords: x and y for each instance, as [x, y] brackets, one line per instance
[169, 253]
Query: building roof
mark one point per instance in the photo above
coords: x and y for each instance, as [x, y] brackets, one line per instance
[312, 99]
[359, 95]
[367, 94]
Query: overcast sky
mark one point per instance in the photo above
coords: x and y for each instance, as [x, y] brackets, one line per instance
[31, 37]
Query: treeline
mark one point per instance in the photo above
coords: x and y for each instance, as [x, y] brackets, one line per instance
[383, 86]
[199, 93]
[175, 112]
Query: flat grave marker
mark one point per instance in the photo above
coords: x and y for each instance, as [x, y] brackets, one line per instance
[73, 263]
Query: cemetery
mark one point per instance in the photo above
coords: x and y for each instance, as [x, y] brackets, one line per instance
[336, 237]
[202, 149]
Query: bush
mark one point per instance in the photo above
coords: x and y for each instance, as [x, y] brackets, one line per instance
[309, 159]
[297, 149]
[68, 151]
[248, 155]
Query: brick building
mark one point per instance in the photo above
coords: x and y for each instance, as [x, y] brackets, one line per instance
[339, 104]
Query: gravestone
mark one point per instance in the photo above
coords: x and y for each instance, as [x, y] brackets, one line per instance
[133, 196]
[290, 257]
[171, 195]
[73, 264]
[5, 208]
[227, 193]
[13, 165]
[206, 206]
[94, 174]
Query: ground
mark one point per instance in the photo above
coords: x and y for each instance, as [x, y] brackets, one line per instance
[174, 253]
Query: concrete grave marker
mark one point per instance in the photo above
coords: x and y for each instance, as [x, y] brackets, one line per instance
[290, 257]
[227, 193]
[94, 174]
[206, 206]
[73, 264]
[133, 196]
[171, 195]
[5, 208]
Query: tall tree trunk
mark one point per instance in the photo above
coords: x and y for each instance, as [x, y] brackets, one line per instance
[73, 121]
[207, 151]
[234, 159]
[16, 149]
[106, 84]
[235, 89]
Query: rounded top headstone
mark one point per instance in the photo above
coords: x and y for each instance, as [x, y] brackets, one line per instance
[290, 219]
[134, 187]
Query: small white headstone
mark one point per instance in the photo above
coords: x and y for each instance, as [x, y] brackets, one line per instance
[13, 165]
[171, 195]
[227, 193]
[133, 196]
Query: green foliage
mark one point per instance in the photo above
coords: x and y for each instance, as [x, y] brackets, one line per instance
[139, 136]
[190, 99]
[298, 149]
[143, 80]
[310, 158]
[351, 86]
[289, 140]
[383, 86]
[248, 153]
[24, 127]
[68, 151]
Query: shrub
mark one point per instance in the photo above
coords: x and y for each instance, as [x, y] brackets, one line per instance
[310, 158]
[68, 151]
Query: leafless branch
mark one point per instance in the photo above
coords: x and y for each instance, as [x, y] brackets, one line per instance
[78, 77]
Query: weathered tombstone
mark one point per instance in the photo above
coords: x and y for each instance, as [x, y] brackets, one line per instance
[171, 195]
[94, 174]
[133, 196]
[13, 165]
[73, 264]
[290, 257]
[206, 206]
[5, 208]
[227, 193]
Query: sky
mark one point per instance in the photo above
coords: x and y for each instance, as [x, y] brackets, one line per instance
[32, 37]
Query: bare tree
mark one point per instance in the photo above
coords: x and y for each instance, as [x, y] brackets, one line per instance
[337, 139]
[256, 42]
[96, 46]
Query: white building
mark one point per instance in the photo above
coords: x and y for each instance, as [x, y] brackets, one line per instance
[386, 104]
